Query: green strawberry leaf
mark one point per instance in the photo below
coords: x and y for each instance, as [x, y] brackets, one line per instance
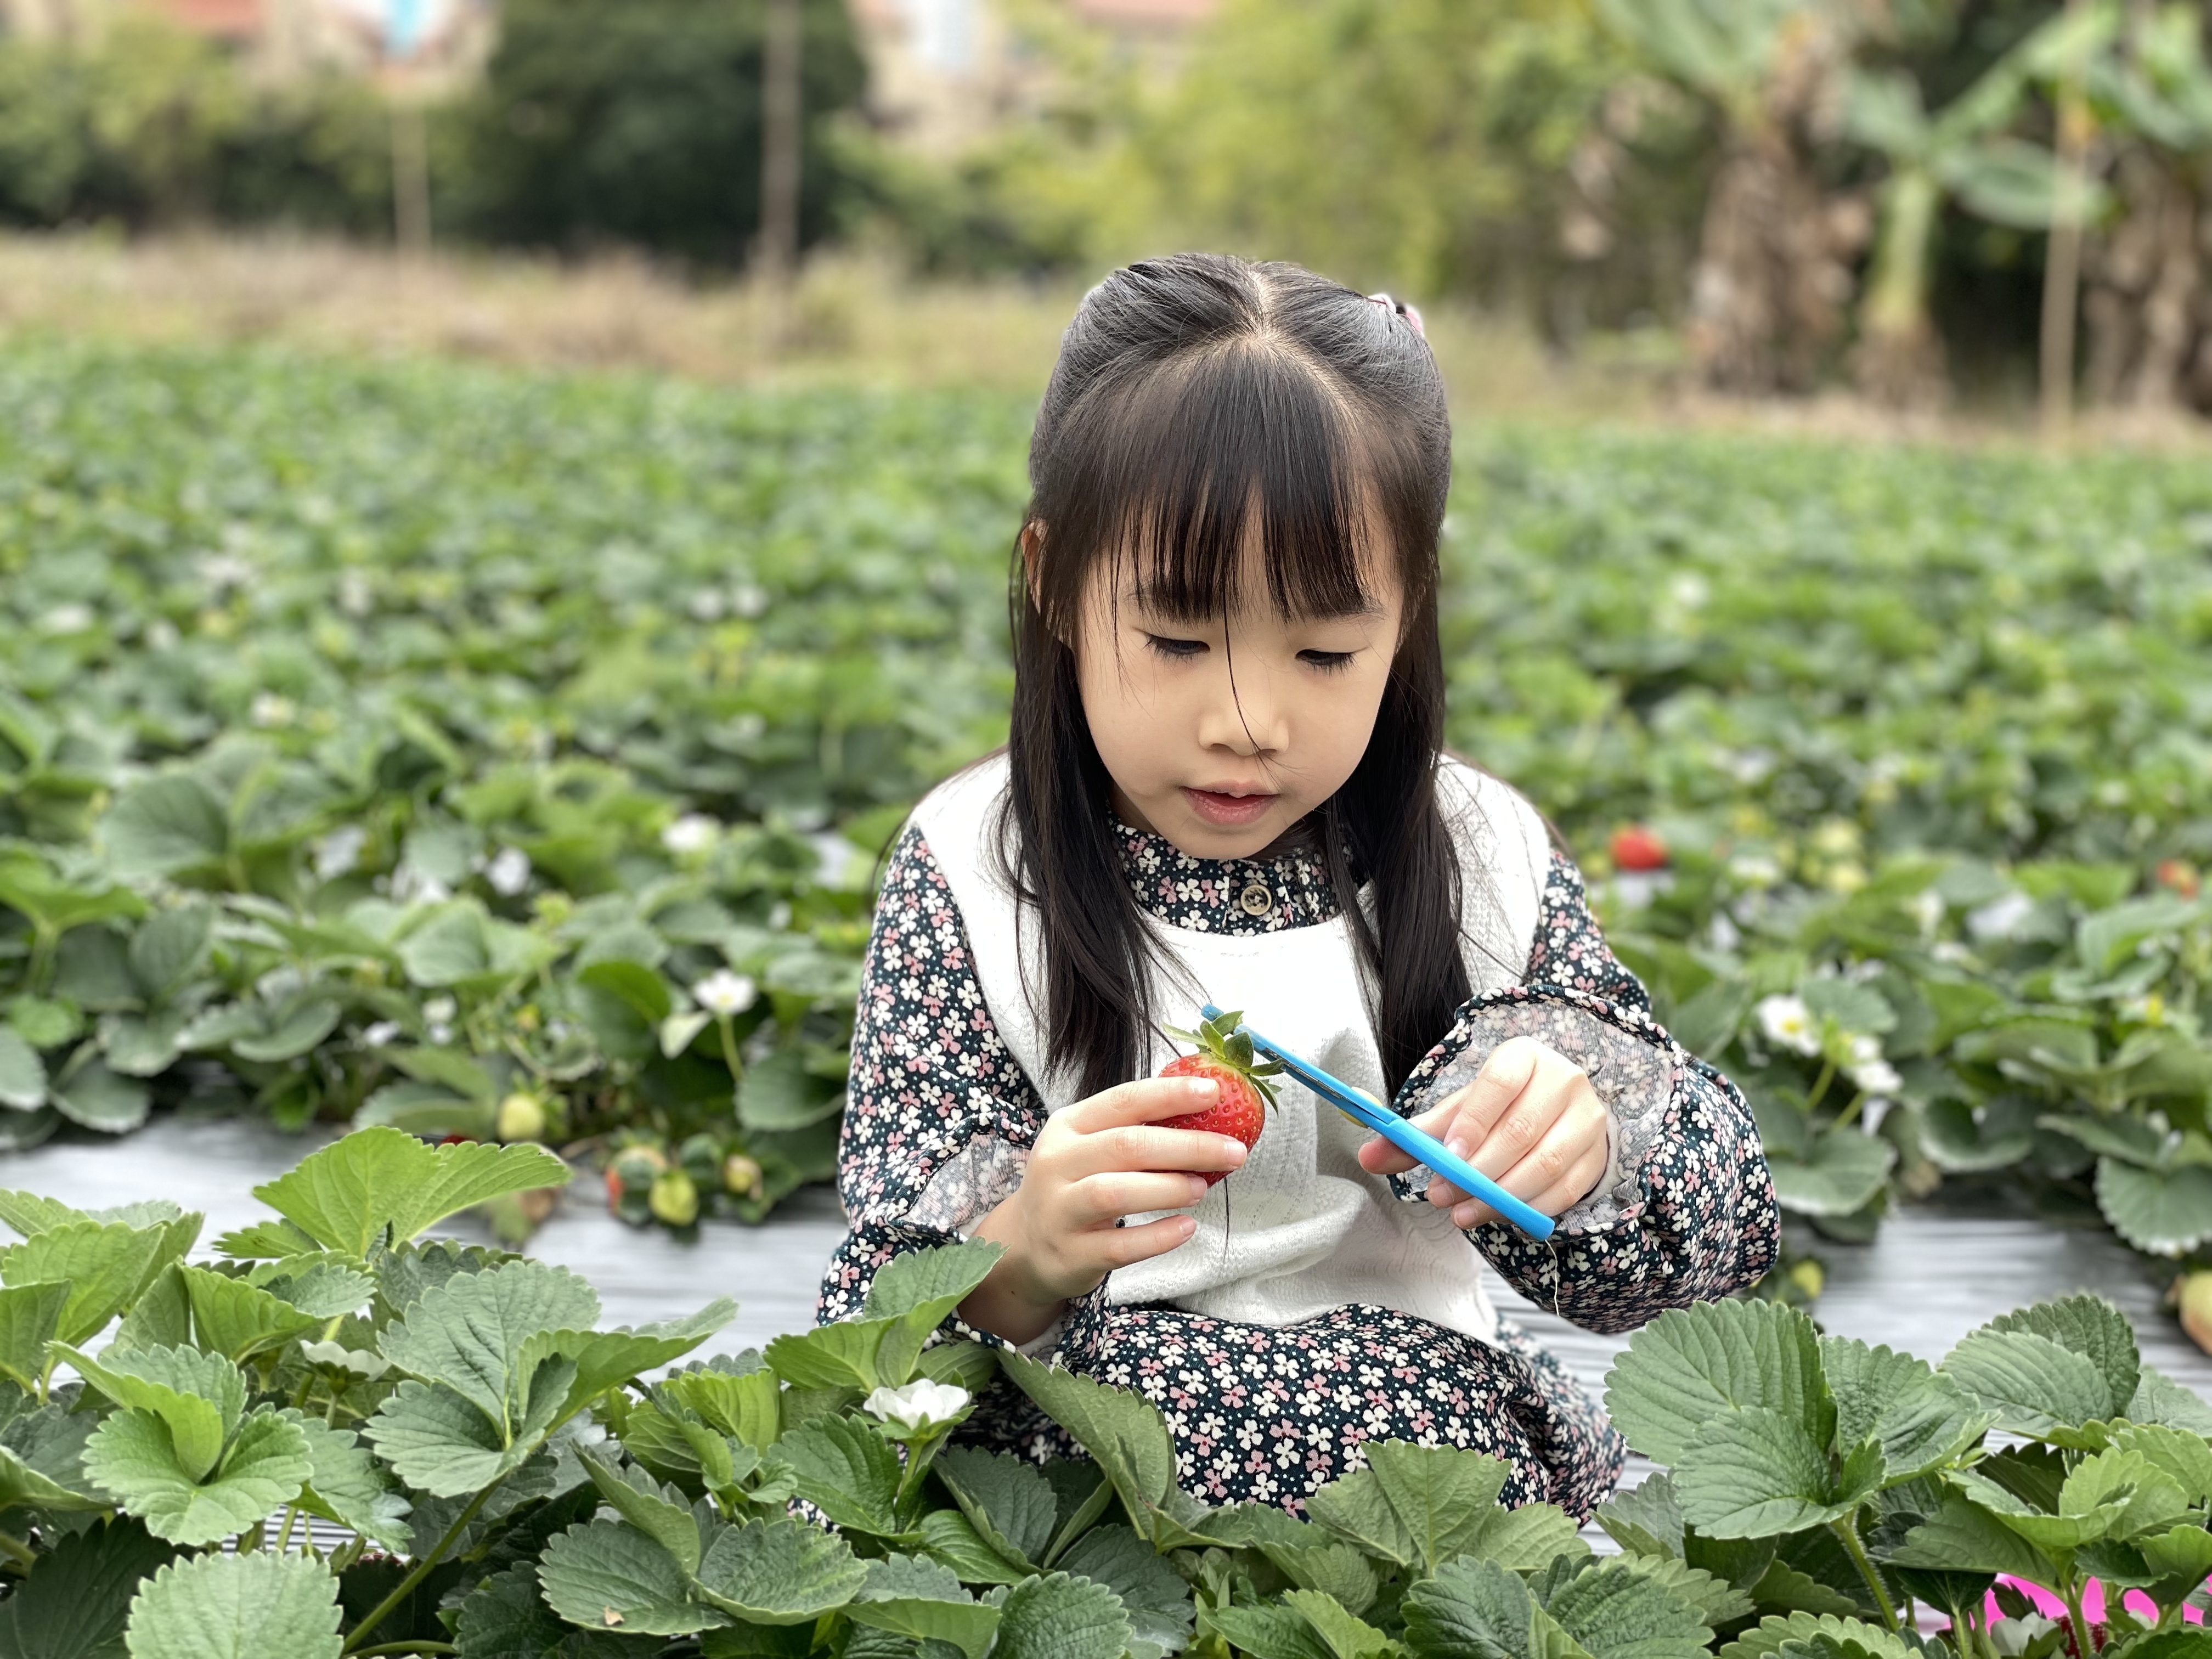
[29, 1315]
[28, 1213]
[199, 1397]
[1124, 1433]
[658, 1511]
[1008, 1499]
[1646, 1519]
[1918, 1418]
[439, 1442]
[76, 1600]
[742, 1404]
[604, 1575]
[1770, 1636]
[1338, 1569]
[22, 1074]
[915, 1597]
[1963, 1535]
[2034, 1386]
[779, 1571]
[475, 1334]
[1059, 1617]
[131, 1457]
[1157, 1598]
[1472, 1609]
[235, 1319]
[845, 1469]
[105, 1264]
[506, 1617]
[1691, 1363]
[949, 1537]
[344, 1485]
[345, 1197]
[605, 1359]
[1614, 1611]
[1757, 1473]
[2093, 1328]
[238, 1607]
[2161, 1211]
[42, 1460]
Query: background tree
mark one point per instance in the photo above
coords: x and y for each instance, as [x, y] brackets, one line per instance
[1773, 273]
[639, 121]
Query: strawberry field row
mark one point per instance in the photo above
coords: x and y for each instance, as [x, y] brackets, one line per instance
[504, 756]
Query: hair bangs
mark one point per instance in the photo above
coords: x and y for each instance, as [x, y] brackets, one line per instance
[1190, 462]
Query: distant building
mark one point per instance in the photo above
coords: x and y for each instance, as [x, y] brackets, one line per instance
[942, 73]
[440, 40]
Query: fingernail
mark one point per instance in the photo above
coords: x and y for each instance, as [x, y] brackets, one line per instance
[1205, 1088]
[1233, 1150]
[1463, 1216]
[1197, 1188]
[1457, 1146]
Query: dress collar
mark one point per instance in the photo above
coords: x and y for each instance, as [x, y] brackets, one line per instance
[1291, 889]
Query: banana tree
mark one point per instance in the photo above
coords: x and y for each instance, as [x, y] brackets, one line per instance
[1965, 154]
[1771, 275]
[2146, 282]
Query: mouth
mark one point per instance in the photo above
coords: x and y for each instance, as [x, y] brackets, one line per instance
[1227, 809]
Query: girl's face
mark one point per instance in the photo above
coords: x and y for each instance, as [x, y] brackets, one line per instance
[1221, 734]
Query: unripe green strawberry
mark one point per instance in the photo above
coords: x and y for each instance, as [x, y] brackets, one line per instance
[521, 1117]
[741, 1176]
[1225, 1054]
[674, 1197]
[2194, 1292]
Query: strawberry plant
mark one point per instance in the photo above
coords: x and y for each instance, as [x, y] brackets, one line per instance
[340, 1436]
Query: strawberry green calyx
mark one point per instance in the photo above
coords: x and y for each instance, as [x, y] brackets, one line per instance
[1222, 1041]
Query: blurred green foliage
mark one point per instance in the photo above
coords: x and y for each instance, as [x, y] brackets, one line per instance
[640, 123]
[153, 127]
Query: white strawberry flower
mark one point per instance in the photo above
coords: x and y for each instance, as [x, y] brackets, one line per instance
[1870, 1071]
[695, 832]
[509, 872]
[723, 993]
[921, 1405]
[1789, 1023]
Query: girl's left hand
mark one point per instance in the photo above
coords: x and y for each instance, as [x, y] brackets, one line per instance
[1530, 1120]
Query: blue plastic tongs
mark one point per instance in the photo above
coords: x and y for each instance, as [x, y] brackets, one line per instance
[1425, 1148]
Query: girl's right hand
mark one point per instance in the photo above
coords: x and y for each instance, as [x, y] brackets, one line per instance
[1099, 1160]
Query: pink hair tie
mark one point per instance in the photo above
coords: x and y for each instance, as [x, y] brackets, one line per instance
[1398, 308]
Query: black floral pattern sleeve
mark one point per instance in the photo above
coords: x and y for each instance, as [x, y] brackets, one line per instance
[939, 1118]
[1687, 1211]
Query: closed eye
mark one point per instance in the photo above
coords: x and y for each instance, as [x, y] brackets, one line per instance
[1177, 650]
[1329, 662]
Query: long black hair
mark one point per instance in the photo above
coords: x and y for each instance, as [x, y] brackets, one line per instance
[1193, 393]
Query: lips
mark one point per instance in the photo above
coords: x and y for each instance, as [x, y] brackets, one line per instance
[1227, 811]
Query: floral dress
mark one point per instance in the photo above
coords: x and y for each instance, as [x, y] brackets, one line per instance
[1270, 1413]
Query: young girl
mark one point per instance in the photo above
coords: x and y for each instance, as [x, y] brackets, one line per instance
[1225, 783]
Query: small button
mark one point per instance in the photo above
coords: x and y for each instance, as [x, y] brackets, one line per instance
[1256, 900]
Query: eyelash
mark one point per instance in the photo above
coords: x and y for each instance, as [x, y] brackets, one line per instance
[1329, 662]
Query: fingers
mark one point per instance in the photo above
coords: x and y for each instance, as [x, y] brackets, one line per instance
[1551, 1177]
[1105, 1199]
[1379, 1157]
[1146, 1101]
[1146, 1146]
[1119, 1247]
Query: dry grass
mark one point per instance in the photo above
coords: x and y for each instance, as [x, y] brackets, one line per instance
[849, 321]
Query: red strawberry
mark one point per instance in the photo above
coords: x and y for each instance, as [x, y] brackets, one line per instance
[1636, 848]
[1224, 1054]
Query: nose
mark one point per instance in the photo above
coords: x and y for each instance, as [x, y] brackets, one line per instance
[1242, 715]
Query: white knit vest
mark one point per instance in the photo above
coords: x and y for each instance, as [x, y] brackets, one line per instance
[1301, 1229]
